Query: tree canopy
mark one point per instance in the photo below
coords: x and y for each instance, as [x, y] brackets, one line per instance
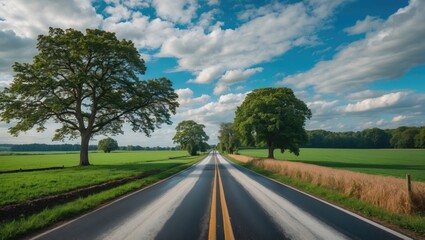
[107, 145]
[229, 140]
[90, 84]
[191, 136]
[273, 117]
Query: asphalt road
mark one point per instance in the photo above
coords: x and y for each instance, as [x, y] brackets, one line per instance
[216, 199]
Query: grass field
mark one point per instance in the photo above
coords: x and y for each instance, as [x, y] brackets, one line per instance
[21, 186]
[386, 162]
[15, 187]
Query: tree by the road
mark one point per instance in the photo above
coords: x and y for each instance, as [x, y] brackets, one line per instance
[107, 145]
[88, 83]
[191, 136]
[273, 117]
[229, 140]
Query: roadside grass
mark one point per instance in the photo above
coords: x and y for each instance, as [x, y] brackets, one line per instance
[34, 160]
[48, 217]
[386, 162]
[414, 222]
[22, 186]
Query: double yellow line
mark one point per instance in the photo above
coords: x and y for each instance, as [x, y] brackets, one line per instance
[228, 232]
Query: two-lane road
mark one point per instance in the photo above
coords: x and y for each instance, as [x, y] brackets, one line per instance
[216, 199]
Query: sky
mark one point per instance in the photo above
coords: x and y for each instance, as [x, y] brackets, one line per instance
[357, 64]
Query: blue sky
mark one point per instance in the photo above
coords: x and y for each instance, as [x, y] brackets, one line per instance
[356, 63]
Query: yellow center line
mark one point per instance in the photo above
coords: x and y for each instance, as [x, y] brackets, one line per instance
[228, 232]
[213, 222]
[227, 226]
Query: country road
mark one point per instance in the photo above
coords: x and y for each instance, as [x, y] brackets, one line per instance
[216, 199]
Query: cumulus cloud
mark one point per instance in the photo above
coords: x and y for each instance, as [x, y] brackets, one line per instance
[20, 26]
[323, 109]
[398, 118]
[207, 75]
[14, 48]
[366, 25]
[387, 53]
[385, 101]
[186, 97]
[143, 31]
[222, 110]
[177, 11]
[232, 77]
[268, 34]
[364, 94]
[78, 14]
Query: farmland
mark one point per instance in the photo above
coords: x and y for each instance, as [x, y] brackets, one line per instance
[386, 162]
[21, 186]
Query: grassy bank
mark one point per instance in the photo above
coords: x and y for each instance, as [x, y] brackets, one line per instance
[386, 162]
[22, 186]
[16, 228]
[381, 198]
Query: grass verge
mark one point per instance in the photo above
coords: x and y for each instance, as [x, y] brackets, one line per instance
[50, 216]
[19, 187]
[385, 162]
[413, 225]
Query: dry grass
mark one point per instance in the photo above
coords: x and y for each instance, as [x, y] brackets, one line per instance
[386, 192]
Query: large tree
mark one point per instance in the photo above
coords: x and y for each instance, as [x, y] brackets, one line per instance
[107, 145]
[191, 136]
[229, 140]
[90, 84]
[273, 117]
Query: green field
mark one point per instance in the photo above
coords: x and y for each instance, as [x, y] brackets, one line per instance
[21, 186]
[387, 162]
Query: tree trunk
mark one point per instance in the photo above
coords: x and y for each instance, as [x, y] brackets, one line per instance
[84, 150]
[270, 146]
[271, 152]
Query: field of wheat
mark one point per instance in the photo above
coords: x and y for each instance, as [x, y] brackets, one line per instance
[389, 193]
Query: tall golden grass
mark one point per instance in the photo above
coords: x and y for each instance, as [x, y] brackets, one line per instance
[389, 193]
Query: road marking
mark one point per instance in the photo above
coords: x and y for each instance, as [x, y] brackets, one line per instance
[213, 222]
[227, 226]
[228, 232]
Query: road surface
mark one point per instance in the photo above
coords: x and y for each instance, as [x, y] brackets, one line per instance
[216, 199]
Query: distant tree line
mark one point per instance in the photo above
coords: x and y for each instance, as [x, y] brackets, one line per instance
[401, 137]
[141, 148]
[36, 147]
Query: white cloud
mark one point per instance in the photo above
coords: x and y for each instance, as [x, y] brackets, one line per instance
[380, 122]
[14, 48]
[177, 11]
[22, 21]
[143, 31]
[213, 2]
[398, 118]
[232, 77]
[387, 100]
[222, 110]
[323, 109]
[267, 35]
[207, 75]
[19, 16]
[366, 25]
[207, 19]
[186, 97]
[356, 96]
[384, 54]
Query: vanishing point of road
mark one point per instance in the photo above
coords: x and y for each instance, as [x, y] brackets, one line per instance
[216, 199]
